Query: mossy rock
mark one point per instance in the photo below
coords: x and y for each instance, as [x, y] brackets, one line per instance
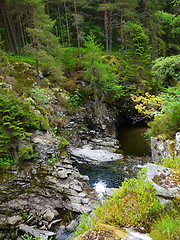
[103, 232]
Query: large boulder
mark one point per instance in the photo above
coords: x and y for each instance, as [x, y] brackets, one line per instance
[87, 154]
[164, 180]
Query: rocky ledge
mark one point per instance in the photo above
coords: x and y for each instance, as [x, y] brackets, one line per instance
[43, 196]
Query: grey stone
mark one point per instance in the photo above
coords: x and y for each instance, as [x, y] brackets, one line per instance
[35, 232]
[177, 145]
[154, 174]
[134, 235]
[48, 215]
[72, 226]
[14, 219]
[94, 156]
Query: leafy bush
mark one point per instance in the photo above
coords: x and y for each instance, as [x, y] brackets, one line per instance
[134, 205]
[77, 98]
[6, 161]
[16, 120]
[85, 224]
[167, 121]
[165, 72]
[171, 163]
[40, 96]
[166, 228]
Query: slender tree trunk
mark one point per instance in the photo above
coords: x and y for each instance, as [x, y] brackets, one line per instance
[37, 72]
[60, 25]
[13, 31]
[121, 31]
[47, 7]
[77, 30]
[67, 25]
[110, 32]
[122, 39]
[106, 29]
[145, 13]
[6, 27]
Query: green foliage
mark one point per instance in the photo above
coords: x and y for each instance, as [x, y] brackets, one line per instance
[41, 96]
[6, 161]
[63, 142]
[170, 29]
[85, 224]
[77, 98]
[23, 59]
[27, 237]
[69, 57]
[168, 227]
[167, 121]
[99, 73]
[135, 74]
[26, 153]
[16, 120]
[165, 72]
[171, 163]
[134, 204]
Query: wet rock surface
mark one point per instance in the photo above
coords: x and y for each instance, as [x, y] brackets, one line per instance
[39, 198]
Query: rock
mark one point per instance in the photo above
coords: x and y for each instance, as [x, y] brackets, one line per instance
[94, 156]
[133, 235]
[48, 215]
[34, 231]
[45, 145]
[162, 180]
[72, 226]
[64, 173]
[14, 219]
[177, 145]
[165, 148]
[106, 232]
[103, 231]
[75, 185]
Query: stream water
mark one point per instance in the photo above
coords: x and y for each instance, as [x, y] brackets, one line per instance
[136, 150]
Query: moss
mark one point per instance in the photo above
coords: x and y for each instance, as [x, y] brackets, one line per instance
[103, 232]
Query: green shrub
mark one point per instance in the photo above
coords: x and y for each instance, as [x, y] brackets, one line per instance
[134, 205]
[40, 96]
[171, 163]
[167, 228]
[6, 161]
[85, 224]
[17, 119]
[77, 98]
[63, 142]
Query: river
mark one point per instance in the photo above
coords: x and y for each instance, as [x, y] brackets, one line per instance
[136, 150]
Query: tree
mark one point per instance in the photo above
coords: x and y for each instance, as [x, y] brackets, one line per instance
[170, 31]
[136, 71]
[165, 72]
[99, 74]
[44, 44]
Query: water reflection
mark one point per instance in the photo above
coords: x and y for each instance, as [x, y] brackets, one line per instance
[132, 139]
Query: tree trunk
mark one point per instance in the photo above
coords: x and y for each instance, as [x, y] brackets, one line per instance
[106, 29]
[47, 7]
[60, 25]
[37, 72]
[5, 24]
[77, 30]
[122, 39]
[67, 26]
[145, 13]
[110, 32]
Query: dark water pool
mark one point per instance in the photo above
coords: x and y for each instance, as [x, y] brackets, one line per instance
[136, 150]
[132, 139]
